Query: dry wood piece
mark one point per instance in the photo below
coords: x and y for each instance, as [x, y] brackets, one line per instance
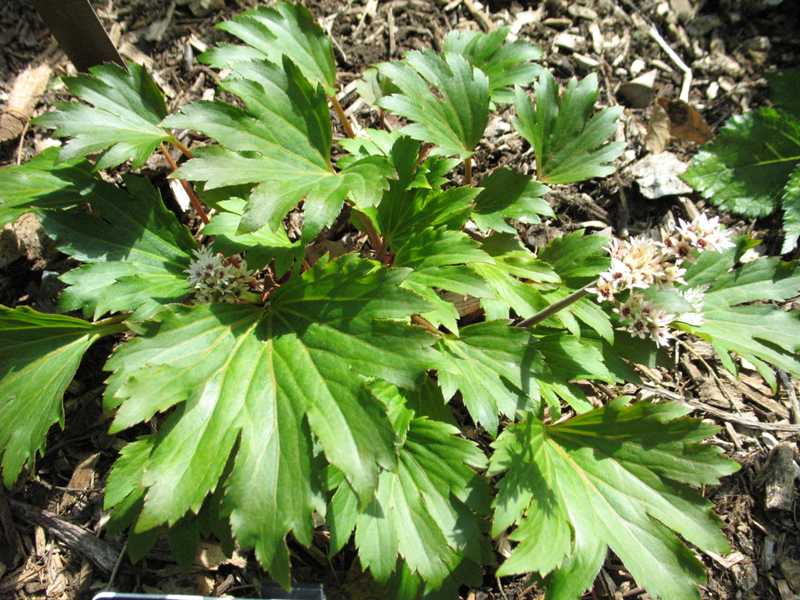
[102, 554]
[779, 475]
[26, 90]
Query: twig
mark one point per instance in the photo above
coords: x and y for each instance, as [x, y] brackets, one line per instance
[22, 140]
[687, 72]
[722, 414]
[102, 553]
[196, 204]
[555, 307]
[713, 374]
[346, 125]
[786, 382]
[483, 19]
[117, 564]
[468, 171]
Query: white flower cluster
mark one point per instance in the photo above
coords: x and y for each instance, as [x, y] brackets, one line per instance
[216, 279]
[641, 263]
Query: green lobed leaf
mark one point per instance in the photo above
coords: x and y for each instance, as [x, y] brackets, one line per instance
[39, 355]
[507, 194]
[270, 379]
[505, 64]
[287, 30]
[783, 90]
[445, 98]
[745, 168]
[426, 511]
[569, 139]
[136, 252]
[120, 118]
[282, 143]
[760, 333]
[618, 477]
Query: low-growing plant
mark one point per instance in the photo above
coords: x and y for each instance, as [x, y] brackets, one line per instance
[752, 168]
[290, 380]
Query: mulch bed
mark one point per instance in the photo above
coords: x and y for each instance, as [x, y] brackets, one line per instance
[729, 45]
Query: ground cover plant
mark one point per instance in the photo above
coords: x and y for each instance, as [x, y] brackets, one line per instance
[287, 383]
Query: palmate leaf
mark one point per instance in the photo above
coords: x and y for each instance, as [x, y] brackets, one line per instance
[426, 511]
[745, 168]
[783, 90]
[452, 115]
[763, 334]
[120, 118]
[618, 477]
[134, 249]
[39, 354]
[269, 379]
[505, 64]
[569, 141]
[501, 370]
[287, 30]
[282, 143]
[43, 183]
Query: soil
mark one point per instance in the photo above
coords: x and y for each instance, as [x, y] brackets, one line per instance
[729, 44]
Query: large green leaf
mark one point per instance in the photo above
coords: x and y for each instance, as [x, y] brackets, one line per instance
[760, 333]
[282, 143]
[134, 248]
[287, 30]
[618, 477]
[268, 378]
[43, 182]
[426, 510]
[745, 168]
[783, 90]
[446, 100]
[568, 139]
[39, 354]
[505, 64]
[120, 118]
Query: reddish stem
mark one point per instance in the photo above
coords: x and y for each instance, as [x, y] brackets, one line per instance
[196, 204]
[337, 107]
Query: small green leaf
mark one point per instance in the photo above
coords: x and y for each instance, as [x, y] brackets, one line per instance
[505, 64]
[760, 333]
[120, 118]
[568, 139]
[446, 100]
[287, 30]
[507, 194]
[136, 252]
[618, 477]
[745, 168]
[791, 212]
[43, 183]
[39, 354]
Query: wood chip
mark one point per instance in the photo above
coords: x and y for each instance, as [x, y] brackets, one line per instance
[779, 475]
[26, 90]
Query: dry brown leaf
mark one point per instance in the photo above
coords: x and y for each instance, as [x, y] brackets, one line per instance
[26, 90]
[82, 479]
[685, 121]
[658, 134]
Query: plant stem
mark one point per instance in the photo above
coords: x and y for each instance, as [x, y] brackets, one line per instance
[555, 307]
[468, 171]
[348, 127]
[183, 149]
[196, 204]
[374, 237]
[425, 324]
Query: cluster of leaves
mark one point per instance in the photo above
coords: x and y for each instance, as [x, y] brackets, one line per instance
[331, 398]
[752, 167]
